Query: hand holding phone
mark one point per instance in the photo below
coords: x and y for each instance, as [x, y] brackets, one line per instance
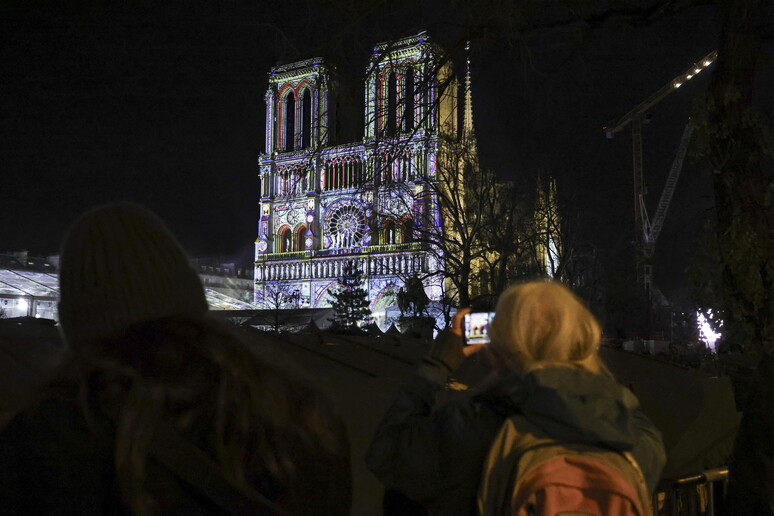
[475, 327]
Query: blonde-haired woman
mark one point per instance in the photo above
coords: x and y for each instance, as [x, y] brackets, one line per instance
[542, 324]
[544, 350]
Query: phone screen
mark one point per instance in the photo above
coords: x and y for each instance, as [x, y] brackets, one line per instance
[476, 327]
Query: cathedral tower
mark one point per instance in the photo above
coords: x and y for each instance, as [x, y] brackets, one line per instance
[325, 203]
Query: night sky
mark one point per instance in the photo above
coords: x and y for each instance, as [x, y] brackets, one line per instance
[164, 105]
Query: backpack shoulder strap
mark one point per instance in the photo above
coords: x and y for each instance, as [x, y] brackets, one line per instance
[516, 436]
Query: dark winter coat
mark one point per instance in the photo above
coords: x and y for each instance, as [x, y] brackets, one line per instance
[53, 462]
[435, 456]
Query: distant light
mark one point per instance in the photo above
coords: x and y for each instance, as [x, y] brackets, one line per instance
[678, 84]
[421, 40]
[707, 62]
[697, 70]
[688, 76]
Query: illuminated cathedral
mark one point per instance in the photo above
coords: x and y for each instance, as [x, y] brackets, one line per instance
[325, 203]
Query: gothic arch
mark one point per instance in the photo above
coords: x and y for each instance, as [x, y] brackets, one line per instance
[284, 239]
[407, 229]
[289, 129]
[306, 117]
[391, 103]
[322, 295]
[387, 296]
[301, 238]
[409, 99]
[389, 235]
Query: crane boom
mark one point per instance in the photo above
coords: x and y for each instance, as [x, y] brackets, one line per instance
[671, 183]
[665, 90]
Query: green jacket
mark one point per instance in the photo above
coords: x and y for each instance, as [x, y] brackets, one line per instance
[435, 456]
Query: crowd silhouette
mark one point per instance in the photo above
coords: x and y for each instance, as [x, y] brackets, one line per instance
[157, 407]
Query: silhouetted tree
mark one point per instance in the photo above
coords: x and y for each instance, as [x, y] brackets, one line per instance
[277, 296]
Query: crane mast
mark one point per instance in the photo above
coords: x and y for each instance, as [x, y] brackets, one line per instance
[646, 233]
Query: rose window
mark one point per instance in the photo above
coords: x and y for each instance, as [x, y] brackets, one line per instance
[346, 226]
[293, 217]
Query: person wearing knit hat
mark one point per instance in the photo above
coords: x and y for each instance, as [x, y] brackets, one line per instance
[121, 266]
[161, 407]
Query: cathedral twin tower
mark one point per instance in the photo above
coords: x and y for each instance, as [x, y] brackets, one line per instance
[325, 203]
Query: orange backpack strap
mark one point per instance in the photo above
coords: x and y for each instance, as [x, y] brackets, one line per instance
[521, 447]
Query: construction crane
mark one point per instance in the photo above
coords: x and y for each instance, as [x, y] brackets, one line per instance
[646, 232]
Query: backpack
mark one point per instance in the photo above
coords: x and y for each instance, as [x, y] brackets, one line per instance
[527, 473]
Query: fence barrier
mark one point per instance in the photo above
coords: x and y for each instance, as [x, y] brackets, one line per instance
[696, 495]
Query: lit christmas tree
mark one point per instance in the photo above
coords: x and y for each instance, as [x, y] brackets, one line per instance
[350, 300]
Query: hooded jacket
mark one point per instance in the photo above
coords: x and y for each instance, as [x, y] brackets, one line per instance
[435, 457]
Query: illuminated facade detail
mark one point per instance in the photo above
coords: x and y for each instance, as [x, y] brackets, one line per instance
[324, 203]
[548, 229]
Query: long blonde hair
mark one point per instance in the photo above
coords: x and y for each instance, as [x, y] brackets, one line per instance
[541, 324]
[262, 426]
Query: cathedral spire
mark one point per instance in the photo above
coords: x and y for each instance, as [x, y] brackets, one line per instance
[467, 122]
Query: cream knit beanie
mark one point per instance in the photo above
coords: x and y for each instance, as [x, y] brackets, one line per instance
[120, 266]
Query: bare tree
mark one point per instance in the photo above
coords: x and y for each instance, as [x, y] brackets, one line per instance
[509, 235]
[277, 296]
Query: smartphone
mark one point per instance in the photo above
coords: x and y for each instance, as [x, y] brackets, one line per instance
[476, 327]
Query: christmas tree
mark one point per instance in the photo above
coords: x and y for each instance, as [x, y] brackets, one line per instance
[350, 300]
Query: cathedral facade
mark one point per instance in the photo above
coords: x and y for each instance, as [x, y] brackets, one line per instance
[324, 203]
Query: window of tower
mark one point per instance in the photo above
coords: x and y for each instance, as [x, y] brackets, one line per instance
[408, 114]
[306, 115]
[407, 231]
[385, 168]
[286, 241]
[388, 234]
[405, 168]
[392, 103]
[290, 121]
[357, 173]
[300, 238]
[303, 180]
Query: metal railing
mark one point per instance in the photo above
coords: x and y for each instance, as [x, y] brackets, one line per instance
[292, 255]
[696, 495]
[374, 249]
[390, 248]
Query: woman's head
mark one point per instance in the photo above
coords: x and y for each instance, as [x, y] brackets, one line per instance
[542, 323]
[121, 266]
